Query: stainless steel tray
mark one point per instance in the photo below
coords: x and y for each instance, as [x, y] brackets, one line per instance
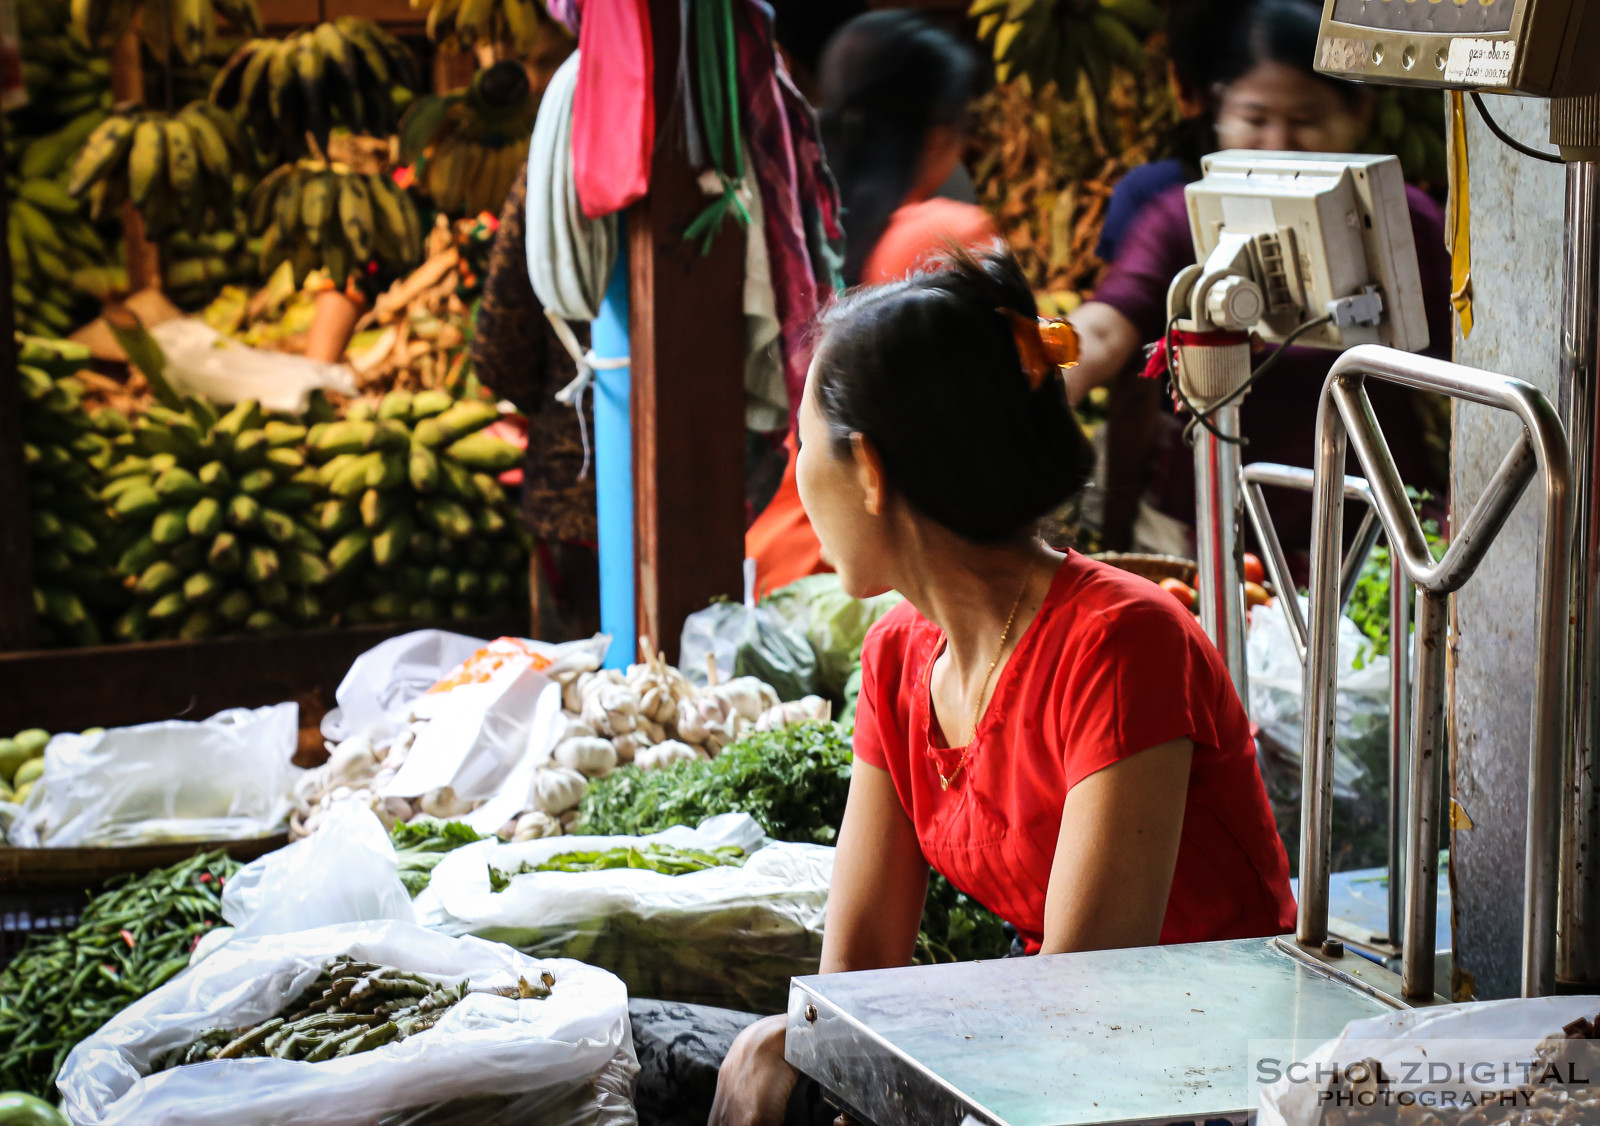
[1160, 1034]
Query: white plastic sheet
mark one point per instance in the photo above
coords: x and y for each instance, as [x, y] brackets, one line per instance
[574, 1045]
[347, 872]
[730, 936]
[387, 677]
[201, 361]
[229, 777]
[1463, 1038]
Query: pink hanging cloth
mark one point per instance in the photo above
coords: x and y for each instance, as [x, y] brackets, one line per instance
[614, 108]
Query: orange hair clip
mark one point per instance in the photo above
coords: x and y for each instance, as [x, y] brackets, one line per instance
[1044, 344]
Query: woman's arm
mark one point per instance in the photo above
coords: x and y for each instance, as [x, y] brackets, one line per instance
[1109, 341]
[875, 900]
[1116, 853]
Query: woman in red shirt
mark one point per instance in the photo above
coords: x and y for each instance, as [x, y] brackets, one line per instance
[1057, 738]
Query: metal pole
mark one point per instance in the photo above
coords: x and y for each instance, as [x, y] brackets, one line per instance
[1216, 474]
[1428, 752]
[1321, 676]
[1401, 597]
[1578, 962]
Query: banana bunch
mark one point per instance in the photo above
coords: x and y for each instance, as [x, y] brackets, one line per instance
[187, 28]
[1056, 40]
[474, 142]
[320, 215]
[57, 254]
[463, 24]
[341, 73]
[176, 169]
[418, 525]
[1410, 124]
[217, 518]
[66, 451]
[195, 268]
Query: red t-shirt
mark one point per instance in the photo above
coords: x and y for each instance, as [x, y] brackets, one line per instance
[1111, 666]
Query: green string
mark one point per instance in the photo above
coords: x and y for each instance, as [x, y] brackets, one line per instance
[716, 64]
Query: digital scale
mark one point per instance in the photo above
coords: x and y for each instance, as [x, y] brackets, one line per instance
[1166, 1035]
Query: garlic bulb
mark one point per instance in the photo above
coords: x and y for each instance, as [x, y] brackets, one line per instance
[399, 809]
[669, 753]
[557, 789]
[795, 711]
[629, 745]
[444, 804]
[534, 825]
[588, 755]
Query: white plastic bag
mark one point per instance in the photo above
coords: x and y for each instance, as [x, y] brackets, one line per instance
[345, 873]
[229, 777]
[201, 361]
[387, 677]
[575, 1043]
[1470, 1042]
[726, 936]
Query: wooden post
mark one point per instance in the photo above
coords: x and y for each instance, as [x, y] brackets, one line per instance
[127, 85]
[687, 345]
[17, 627]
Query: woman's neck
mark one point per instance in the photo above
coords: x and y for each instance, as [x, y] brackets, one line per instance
[970, 592]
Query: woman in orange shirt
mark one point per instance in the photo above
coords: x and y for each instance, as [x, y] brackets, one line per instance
[894, 91]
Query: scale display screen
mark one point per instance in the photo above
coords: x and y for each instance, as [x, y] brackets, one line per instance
[1548, 48]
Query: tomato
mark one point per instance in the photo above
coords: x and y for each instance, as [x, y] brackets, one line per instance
[1254, 572]
[17, 1109]
[1256, 595]
[1182, 591]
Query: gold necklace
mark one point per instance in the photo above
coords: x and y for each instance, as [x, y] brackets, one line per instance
[945, 780]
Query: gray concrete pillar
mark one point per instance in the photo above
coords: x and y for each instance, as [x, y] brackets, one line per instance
[1517, 207]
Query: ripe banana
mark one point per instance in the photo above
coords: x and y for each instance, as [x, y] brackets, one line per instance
[177, 169]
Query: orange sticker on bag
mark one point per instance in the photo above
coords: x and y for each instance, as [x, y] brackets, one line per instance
[502, 656]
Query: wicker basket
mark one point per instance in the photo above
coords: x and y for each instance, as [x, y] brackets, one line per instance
[1152, 567]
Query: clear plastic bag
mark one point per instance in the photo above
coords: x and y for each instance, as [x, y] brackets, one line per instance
[347, 872]
[229, 777]
[748, 641]
[567, 1059]
[724, 936]
[201, 361]
[1465, 1045]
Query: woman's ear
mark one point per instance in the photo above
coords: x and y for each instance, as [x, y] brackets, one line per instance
[869, 474]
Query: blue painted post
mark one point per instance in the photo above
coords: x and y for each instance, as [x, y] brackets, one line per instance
[613, 461]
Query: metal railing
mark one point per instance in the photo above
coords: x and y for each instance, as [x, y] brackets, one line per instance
[1252, 478]
[1345, 420]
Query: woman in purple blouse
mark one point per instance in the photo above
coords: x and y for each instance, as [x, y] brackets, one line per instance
[1269, 98]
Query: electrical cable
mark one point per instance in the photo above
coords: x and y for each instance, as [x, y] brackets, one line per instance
[1507, 138]
[1203, 418]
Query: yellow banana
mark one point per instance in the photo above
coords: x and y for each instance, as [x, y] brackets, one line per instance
[208, 143]
[472, 22]
[155, 27]
[193, 23]
[106, 147]
[441, 18]
[146, 160]
[183, 166]
[522, 21]
[355, 216]
[316, 206]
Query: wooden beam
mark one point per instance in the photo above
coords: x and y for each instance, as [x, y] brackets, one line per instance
[119, 685]
[687, 344]
[16, 525]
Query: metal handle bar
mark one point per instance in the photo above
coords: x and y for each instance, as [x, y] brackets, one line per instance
[1344, 414]
[1260, 473]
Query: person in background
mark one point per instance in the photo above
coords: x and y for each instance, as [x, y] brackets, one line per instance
[1057, 737]
[893, 97]
[1267, 97]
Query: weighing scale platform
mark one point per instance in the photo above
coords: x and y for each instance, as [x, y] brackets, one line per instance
[1155, 1035]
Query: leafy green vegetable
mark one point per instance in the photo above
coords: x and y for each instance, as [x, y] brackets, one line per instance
[422, 843]
[666, 859]
[793, 782]
[1369, 603]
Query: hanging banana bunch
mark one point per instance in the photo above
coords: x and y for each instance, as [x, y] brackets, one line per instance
[461, 25]
[341, 73]
[185, 27]
[325, 215]
[175, 168]
[1056, 40]
[473, 143]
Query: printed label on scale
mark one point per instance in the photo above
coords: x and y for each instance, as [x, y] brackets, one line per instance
[1480, 62]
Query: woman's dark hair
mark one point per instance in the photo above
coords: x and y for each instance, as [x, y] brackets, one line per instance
[1275, 31]
[928, 371]
[886, 79]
